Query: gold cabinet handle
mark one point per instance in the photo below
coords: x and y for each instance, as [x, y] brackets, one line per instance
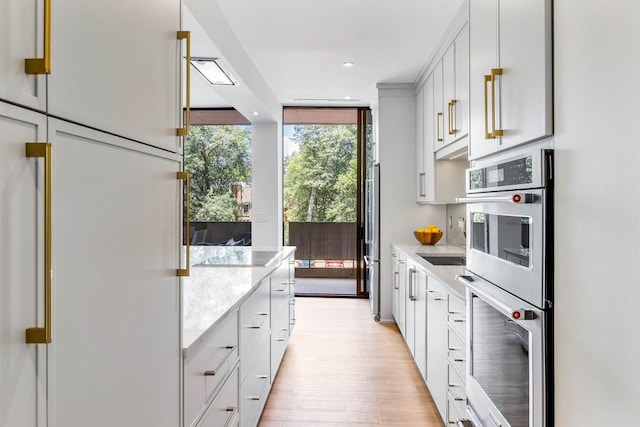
[184, 272]
[184, 131]
[452, 122]
[494, 72]
[42, 335]
[487, 134]
[42, 65]
[438, 126]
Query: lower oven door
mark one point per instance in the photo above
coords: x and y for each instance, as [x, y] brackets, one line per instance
[508, 371]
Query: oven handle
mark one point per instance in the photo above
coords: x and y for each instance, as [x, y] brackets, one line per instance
[510, 312]
[516, 198]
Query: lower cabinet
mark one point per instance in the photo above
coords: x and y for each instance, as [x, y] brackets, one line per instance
[255, 353]
[226, 382]
[223, 410]
[437, 343]
[434, 328]
[456, 359]
[206, 372]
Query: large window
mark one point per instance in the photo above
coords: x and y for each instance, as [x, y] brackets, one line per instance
[217, 155]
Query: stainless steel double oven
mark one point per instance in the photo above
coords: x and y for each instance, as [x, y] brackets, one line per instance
[510, 291]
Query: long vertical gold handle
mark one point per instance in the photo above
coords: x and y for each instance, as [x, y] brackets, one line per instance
[438, 126]
[42, 335]
[452, 121]
[184, 131]
[42, 65]
[494, 72]
[184, 272]
[487, 134]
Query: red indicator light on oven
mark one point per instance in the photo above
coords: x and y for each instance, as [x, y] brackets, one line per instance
[516, 314]
[516, 198]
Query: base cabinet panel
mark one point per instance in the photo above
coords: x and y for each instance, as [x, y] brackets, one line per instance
[23, 367]
[115, 355]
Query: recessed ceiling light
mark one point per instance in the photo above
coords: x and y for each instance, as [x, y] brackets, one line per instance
[348, 64]
[255, 113]
[348, 97]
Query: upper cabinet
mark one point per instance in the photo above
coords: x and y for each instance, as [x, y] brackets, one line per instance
[455, 88]
[22, 25]
[510, 74]
[122, 75]
[442, 125]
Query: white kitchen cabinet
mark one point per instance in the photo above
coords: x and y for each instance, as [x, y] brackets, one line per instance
[206, 371]
[23, 25]
[438, 106]
[280, 304]
[23, 367]
[395, 281]
[455, 87]
[114, 358]
[255, 354]
[420, 321]
[510, 74]
[410, 308]
[402, 294]
[437, 343]
[223, 410]
[439, 181]
[420, 126]
[115, 67]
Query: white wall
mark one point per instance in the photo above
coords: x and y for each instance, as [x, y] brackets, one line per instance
[266, 183]
[400, 215]
[597, 128]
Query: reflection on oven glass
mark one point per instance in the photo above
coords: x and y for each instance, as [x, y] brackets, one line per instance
[503, 236]
[500, 361]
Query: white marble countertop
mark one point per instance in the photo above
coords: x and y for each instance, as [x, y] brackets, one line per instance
[212, 292]
[444, 273]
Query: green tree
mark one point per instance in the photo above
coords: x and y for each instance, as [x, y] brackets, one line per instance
[218, 207]
[319, 175]
[216, 157]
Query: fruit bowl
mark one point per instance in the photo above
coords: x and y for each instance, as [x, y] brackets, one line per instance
[429, 237]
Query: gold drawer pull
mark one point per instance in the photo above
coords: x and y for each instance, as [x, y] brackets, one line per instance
[42, 65]
[184, 131]
[42, 335]
[184, 272]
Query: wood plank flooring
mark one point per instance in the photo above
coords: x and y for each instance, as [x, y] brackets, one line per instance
[342, 368]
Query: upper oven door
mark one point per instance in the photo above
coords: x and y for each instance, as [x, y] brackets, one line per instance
[506, 241]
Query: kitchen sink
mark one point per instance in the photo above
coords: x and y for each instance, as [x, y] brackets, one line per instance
[444, 259]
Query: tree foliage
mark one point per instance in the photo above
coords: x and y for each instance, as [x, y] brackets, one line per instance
[320, 178]
[216, 157]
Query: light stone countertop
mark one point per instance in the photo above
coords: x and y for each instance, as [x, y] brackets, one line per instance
[212, 292]
[444, 273]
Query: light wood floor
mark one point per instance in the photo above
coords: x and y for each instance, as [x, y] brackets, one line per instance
[342, 368]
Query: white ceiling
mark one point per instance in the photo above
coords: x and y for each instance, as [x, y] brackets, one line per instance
[293, 50]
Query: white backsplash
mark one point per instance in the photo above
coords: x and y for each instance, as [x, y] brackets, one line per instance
[456, 213]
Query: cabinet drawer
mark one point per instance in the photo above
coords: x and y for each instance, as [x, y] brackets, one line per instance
[456, 350]
[279, 340]
[205, 371]
[455, 383]
[254, 388]
[224, 407]
[279, 300]
[456, 315]
[254, 325]
[456, 409]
